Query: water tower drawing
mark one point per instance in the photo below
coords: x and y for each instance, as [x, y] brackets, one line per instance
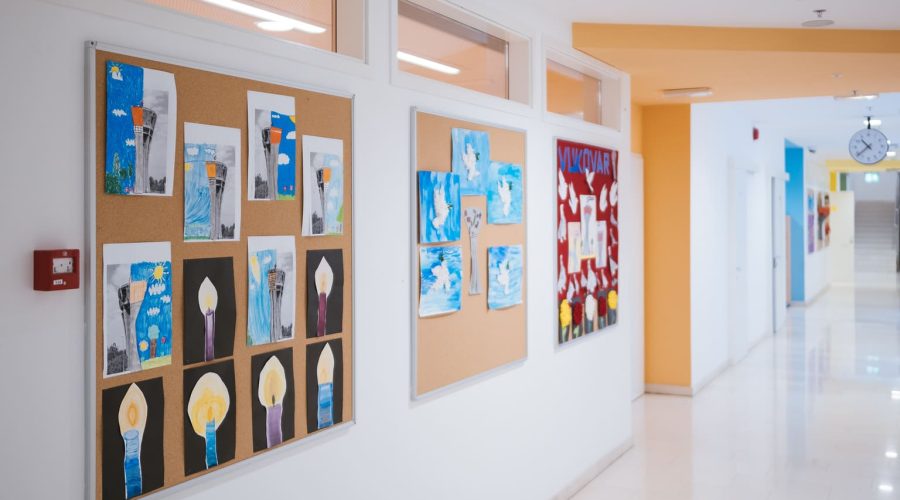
[271, 137]
[276, 289]
[144, 120]
[216, 172]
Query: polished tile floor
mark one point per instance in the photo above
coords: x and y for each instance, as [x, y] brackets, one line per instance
[808, 414]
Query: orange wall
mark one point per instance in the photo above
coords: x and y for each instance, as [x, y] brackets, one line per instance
[637, 124]
[666, 146]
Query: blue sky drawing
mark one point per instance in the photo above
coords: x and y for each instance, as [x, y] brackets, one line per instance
[440, 280]
[504, 276]
[196, 190]
[439, 218]
[503, 179]
[124, 89]
[287, 156]
[259, 305]
[334, 195]
[476, 143]
[156, 309]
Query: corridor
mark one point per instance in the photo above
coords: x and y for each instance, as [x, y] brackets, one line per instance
[808, 414]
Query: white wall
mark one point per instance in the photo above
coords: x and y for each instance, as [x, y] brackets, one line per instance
[721, 135]
[818, 273]
[883, 190]
[525, 433]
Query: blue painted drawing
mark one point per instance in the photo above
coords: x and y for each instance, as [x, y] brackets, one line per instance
[471, 157]
[504, 276]
[504, 194]
[212, 182]
[153, 323]
[140, 143]
[439, 207]
[272, 159]
[440, 283]
[271, 285]
[287, 156]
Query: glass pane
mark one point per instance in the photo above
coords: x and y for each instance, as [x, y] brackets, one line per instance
[440, 48]
[572, 93]
[310, 22]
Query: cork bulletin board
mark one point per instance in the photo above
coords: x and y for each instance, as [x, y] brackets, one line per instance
[215, 97]
[451, 347]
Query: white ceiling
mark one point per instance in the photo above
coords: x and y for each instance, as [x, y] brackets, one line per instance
[823, 123]
[848, 14]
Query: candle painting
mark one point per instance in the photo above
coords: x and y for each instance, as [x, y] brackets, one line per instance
[209, 419]
[132, 444]
[324, 292]
[141, 105]
[271, 288]
[504, 194]
[212, 183]
[324, 385]
[271, 162]
[272, 398]
[323, 179]
[440, 280]
[137, 307]
[439, 207]
[471, 155]
[504, 276]
[209, 309]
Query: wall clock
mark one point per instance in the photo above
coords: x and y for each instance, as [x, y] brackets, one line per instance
[868, 146]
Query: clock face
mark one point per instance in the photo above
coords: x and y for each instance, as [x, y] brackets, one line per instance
[868, 146]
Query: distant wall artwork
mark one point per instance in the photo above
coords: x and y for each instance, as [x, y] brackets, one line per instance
[272, 398]
[324, 292]
[212, 183]
[471, 152]
[823, 221]
[504, 276]
[271, 289]
[209, 418]
[133, 421]
[439, 207]
[440, 280]
[209, 309]
[504, 194]
[587, 239]
[141, 106]
[324, 385]
[323, 186]
[810, 221]
[272, 160]
[137, 307]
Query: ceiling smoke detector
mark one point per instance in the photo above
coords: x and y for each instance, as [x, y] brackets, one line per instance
[819, 21]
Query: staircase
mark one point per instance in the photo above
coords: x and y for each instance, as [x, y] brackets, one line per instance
[876, 237]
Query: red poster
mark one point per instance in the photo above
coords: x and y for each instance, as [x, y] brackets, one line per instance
[587, 247]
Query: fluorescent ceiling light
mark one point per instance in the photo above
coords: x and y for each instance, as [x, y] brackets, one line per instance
[265, 15]
[856, 96]
[875, 122]
[427, 63]
[895, 395]
[274, 26]
[688, 92]
[885, 488]
[890, 454]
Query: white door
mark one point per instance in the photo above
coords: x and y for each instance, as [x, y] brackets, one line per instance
[842, 252]
[737, 269]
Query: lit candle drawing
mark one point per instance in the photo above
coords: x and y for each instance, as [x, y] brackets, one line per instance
[271, 390]
[324, 280]
[325, 376]
[132, 420]
[208, 299]
[207, 408]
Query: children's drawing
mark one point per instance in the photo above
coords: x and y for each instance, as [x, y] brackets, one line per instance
[212, 183]
[504, 194]
[324, 385]
[471, 155]
[272, 161]
[209, 418]
[588, 226]
[271, 288]
[473, 223]
[439, 207]
[504, 276]
[209, 309]
[440, 280]
[272, 398]
[324, 292]
[323, 186]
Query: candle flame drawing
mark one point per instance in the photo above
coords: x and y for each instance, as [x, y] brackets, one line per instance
[325, 377]
[132, 420]
[271, 391]
[324, 279]
[207, 408]
[208, 298]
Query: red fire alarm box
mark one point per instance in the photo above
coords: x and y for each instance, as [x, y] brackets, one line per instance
[56, 270]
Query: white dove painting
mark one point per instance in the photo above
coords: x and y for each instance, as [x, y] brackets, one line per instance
[504, 276]
[471, 156]
[504, 194]
[440, 280]
[439, 207]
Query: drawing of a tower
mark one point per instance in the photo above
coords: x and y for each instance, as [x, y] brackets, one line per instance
[276, 288]
[216, 172]
[144, 120]
[271, 137]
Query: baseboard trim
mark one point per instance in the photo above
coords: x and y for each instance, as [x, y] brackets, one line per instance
[593, 471]
[671, 390]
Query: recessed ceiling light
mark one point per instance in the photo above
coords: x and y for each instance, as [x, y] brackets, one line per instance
[895, 395]
[427, 63]
[890, 454]
[891, 154]
[819, 21]
[688, 92]
[856, 96]
[885, 488]
[875, 122]
[274, 26]
[265, 15]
